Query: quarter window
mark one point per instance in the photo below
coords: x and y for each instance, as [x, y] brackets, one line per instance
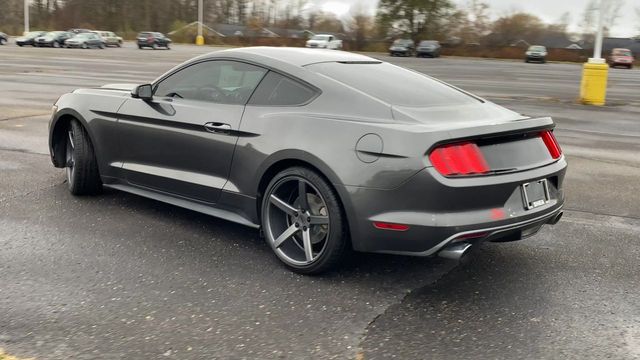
[220, 81]
[278, 90]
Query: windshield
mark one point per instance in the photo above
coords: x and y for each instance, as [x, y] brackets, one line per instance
[537, 48]
[622, 52]
[82, 36]
[402, 42]
[425, 43]
[393, 84]
[320, 37]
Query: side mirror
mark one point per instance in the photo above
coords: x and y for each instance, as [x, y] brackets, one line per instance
[144, 92]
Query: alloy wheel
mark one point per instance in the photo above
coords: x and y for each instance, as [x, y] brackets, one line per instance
[296, 221]
[70, 157]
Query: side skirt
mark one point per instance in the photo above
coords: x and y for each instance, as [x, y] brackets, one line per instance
[184, 203]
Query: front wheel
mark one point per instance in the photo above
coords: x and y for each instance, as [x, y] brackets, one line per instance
[83, 177]
[303, 221]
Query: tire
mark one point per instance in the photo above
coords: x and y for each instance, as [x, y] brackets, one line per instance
[55, 44]
[83, 177]
[168, 47]
[154, 46]
[119, 44]
[84, 46]
[101, 46]
[20, 45]
[309, 237]
[139, 47]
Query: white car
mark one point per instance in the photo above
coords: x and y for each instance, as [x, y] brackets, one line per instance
[109, 38]
[324, 42]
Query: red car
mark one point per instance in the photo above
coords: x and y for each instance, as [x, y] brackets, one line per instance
[621, 57]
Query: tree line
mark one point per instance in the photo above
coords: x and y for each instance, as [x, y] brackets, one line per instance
[442, 20]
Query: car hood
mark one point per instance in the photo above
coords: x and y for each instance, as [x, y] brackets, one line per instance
[317, 41]
[456, 116]
[123, 87]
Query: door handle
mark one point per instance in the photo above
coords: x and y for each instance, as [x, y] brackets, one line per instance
[216, 127]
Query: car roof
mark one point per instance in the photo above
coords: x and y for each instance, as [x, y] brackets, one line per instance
[290, 55]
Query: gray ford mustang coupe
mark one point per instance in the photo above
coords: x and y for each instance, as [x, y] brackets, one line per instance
[325, 151]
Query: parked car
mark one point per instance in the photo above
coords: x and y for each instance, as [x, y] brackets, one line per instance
[536, 53]
[53, 39]
[109, 38]
[402, 47]
[621, 57]
[324, 41]
[153, 40]
[29, 38]
[430, 48]
[85, 41]
[455, 170]
[4, 38]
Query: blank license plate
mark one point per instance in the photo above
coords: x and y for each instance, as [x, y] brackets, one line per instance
[535, 194]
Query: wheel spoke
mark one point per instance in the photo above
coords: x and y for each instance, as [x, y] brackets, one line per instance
[71, 139]
[282, 205]
[318, 220]
[302, 195]
[285, 235]
[306, 242]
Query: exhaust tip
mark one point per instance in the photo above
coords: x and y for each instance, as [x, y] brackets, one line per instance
[554, 220]
[455, 251]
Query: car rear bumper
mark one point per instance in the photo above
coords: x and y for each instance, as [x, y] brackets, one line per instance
[439, 211]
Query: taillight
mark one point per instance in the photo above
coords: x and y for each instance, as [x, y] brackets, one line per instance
[459, 159]
[551, 143]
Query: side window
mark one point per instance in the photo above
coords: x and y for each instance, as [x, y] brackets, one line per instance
[278, 90]
[217, 81]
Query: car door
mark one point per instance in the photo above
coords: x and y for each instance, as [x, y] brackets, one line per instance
[182, 141]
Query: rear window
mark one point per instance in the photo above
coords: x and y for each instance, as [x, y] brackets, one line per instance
[393, 84]
[278, 90]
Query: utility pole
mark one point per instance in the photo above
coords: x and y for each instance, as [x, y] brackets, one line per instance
[593, 88]
[200, 38]
[26, 16]
[597, 48]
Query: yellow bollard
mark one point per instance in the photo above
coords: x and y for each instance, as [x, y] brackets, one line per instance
[593, 90]
[199, 40]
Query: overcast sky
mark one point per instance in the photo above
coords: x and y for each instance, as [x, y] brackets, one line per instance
[547, 10]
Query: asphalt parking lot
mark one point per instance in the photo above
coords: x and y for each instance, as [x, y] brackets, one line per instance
[121, 277]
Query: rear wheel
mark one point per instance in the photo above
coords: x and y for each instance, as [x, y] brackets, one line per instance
[168, 47]
[154, 46]
[83, 177]
[84, 46]
[303, 221]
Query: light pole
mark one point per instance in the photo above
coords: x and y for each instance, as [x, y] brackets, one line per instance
[200, 38]
[26, 16]
[597, 48]
[593, 89]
